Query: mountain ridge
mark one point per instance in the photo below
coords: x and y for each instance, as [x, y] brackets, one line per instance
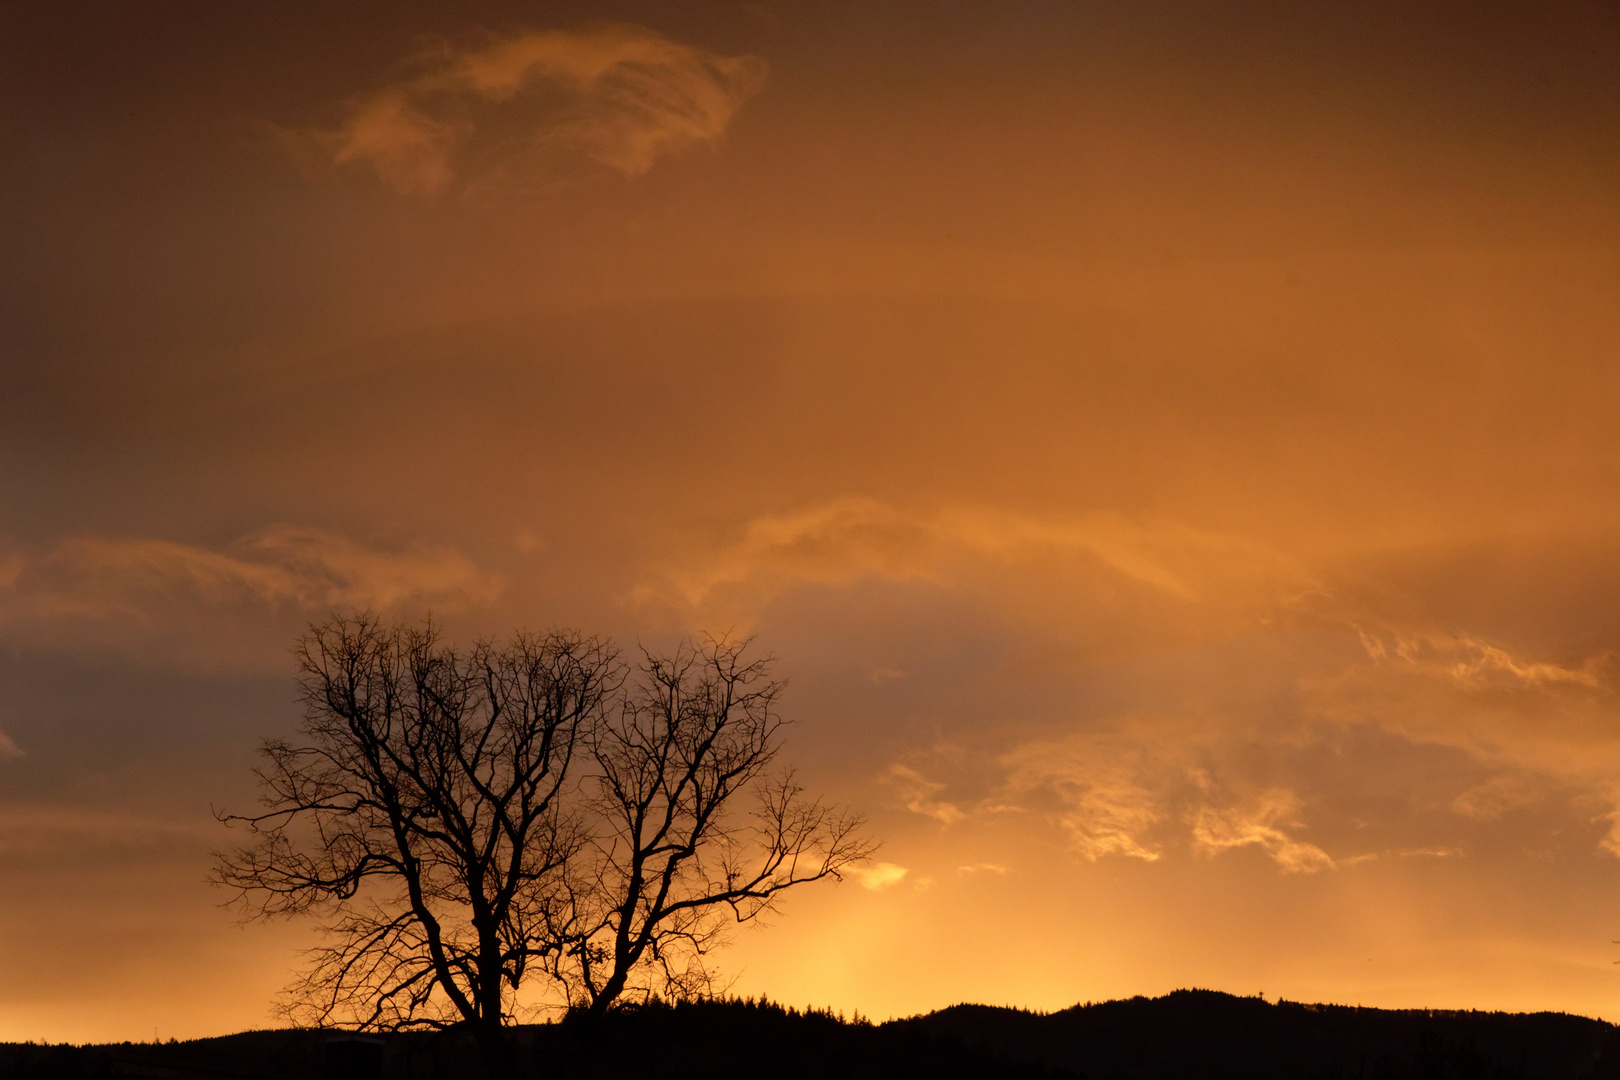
[1183, 1035]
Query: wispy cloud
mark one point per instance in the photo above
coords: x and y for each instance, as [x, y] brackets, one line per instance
[110, 589]
[1260, 822]
[1105, 805]
[1133, 791]
[100, 576]
[1472, 663]
[1111, 819]
[1537, 724]
[617, 94]
[849, 540]
[1088, 604]
[919, 794]
[1611, 839]
[1498, 795]
[1418, 853]
[878, 876]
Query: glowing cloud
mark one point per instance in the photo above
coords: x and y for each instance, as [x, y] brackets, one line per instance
[918, 792]
[878, 876]
[620, 95]
[1094, 596]
[849, 540]
[1258, 823]
[1473, 664]
[1105, 807]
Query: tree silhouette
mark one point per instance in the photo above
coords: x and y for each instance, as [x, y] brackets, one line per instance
[424, 813]
[462, 819]
[673, 859]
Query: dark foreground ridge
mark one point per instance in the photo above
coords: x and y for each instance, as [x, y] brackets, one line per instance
[1186, 1035]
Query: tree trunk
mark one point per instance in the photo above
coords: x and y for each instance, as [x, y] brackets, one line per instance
[609, 993]
[494, 1045]
[495, 1048]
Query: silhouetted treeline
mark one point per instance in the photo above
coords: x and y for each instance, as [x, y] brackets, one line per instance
[1212, 1036]
[729, 1040]
[1187, 1035]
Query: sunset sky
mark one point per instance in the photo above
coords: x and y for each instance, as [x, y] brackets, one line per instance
[1172, 449]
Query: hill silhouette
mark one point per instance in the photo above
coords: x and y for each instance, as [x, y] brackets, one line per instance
[1185, 1035]
[1215, 1036]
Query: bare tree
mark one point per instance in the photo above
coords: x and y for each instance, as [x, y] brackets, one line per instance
[674, 859]
[464, 818]
[425, 812]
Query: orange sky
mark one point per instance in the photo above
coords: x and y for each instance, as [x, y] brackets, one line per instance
[1170, 447]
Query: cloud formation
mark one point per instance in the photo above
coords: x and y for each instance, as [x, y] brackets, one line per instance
[878, 876]
[1135, 793]
[1259, 823]
[282, 564]
[1474, 664]
[919, 793]
[1166, 688]
[123, 589]
[846, 541]
[1103, 801]
[619, 95]
[1498, 795]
